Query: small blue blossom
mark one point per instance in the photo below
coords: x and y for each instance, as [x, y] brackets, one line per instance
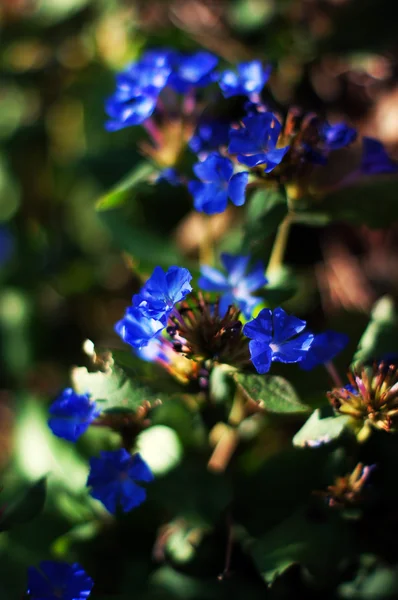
[323, 349]
[255, 143]
[274, 337]
[218, 183]
[210, 136]
[236, 286]
[193, 71]
[337, 136]
[113, 478]
[136, 329]
[72, 414]
[375, 160]
[250, 79]
[170, 175]
[58, 581]
[162, 291]
[137, 90]
[6, 245]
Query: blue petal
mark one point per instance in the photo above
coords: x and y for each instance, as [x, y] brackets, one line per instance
[324, 348]
[260, 328]
[375, 160]
[139, 470]
[215, 169]
[254, 160]
[132, 495]
[285, 326]
[260, 355]
[208, 197]
[256, 279]
[212, 280]
[274, 158]
[237, 187]
[293, 351]
[236, 266]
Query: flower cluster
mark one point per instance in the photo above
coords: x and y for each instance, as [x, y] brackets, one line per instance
[159, 91]
[370, 399]
[204, 329]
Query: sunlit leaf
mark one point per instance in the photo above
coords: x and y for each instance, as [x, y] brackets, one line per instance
[275, 394]
[380, 336]
[320, 429]
[124, 189]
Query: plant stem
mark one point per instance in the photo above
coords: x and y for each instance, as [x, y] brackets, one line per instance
[279, 247]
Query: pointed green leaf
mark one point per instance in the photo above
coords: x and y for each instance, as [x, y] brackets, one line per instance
[25, 508]
[119, 194]
[266, 210]
[275, 393]
[320, 429]
[381, 334]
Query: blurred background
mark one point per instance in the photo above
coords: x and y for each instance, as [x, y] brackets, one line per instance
[67, 271]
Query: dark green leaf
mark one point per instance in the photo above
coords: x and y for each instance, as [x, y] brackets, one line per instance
[266, 210]
[275, 393]
[302, 540]
[320, 429]
[124, 189]
[26, 507]
[381, 335]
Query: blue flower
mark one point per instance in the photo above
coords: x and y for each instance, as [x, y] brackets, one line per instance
[6, 245]
[237, 286]
[323, 349]
[274, 337]
[210, 136]
[193, 71]
[170, 175]
[162, 291]
[137, 90]
[218, 183]
[255, 143]
[375, 160]
[72, 414]
[337, 136]
[58, 581]
[250, 79]
[113, 478]
[136, 329]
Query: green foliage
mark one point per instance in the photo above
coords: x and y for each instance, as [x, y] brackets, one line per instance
[380, 337]
[266, 209]
[137, 180]
[320, 428]
[273, 393]
[28, 506]
[112, 388]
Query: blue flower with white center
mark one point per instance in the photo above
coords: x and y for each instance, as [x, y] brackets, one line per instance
[255, 143]
[113, 479]
[136, 329]
[375, 160]
[337, 136]
[218, 183]
[237, 285]
[210, 136]
[323, 349]
[193, 71]
[162, 291]
[248, 81]
[72, 414]
[58, 581]
[276, 336]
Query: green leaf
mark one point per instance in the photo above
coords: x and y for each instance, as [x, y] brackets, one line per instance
[284, 285]
[320, 429]
[356, 204]
[275, 393]
[25, 508]
[381, 335]
[266, 210]
[305, 541]
[112, 388]
[124, 189]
